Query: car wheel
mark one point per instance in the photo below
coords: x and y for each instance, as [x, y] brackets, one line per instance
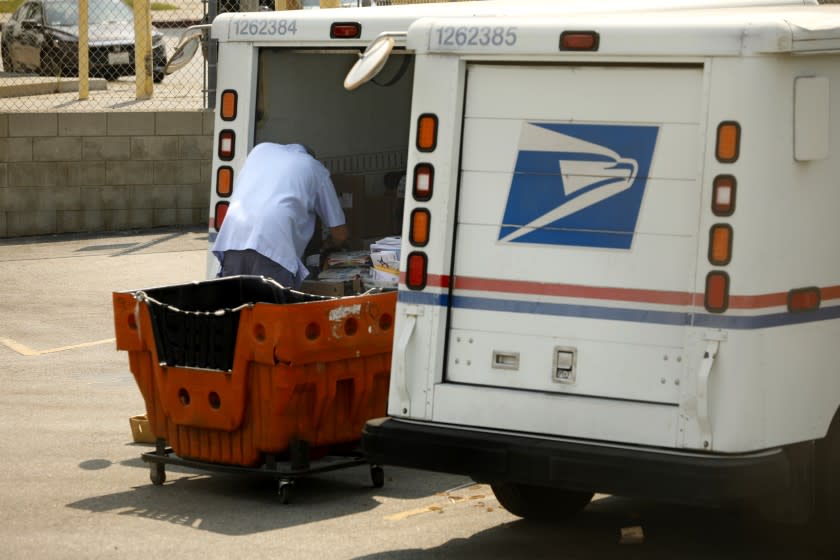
[157, 77]
[7, 59]
[50, 66]
[540, 503]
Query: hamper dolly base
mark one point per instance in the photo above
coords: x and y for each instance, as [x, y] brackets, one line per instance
[284, 472]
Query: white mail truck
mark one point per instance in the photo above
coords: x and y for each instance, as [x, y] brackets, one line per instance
[620, 262]
[621, 259]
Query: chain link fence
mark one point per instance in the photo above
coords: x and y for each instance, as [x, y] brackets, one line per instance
[39, 43]
[39, 47]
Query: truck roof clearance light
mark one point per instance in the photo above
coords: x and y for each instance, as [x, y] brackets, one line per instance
[717, 291]
[228, 105]
[345, 30]
[424, 175]
[418, 232]
[427, 125]
[723, 195]
[415, 277]
[579, 41]
[720, 244]
[804, 299]
[224, 180]
[728, 142]
[219, 214]
[227, 144]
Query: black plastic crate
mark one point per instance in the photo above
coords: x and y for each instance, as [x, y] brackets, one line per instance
[195, 324]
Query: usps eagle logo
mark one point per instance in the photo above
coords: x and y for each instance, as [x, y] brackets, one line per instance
[578, 184]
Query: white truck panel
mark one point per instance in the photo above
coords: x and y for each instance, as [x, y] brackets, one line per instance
[603, 368]
[656, 262]
[538, 413]
[585, 93]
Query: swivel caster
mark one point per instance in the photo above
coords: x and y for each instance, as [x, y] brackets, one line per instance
[157, 473]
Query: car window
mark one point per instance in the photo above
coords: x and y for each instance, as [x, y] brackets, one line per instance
[99, 11]
[34, 12]
[61, 13]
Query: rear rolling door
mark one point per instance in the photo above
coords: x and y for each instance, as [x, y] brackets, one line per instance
[578, 199]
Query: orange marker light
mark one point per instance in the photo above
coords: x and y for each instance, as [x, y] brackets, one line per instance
[717, 291]
[219, 215]
[427, 132]
[419, 227]
[728, 141]
[720, 244]
[415, 277]
[723, 195]
[227, 144]
[804, 299]
[228, 105]
[424, 175]
[224, 180]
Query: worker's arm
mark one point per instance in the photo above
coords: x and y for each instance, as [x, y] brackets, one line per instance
[338, 235]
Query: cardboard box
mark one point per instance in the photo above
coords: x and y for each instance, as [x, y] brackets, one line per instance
[333, 288]
[366, 216]
[141, 431]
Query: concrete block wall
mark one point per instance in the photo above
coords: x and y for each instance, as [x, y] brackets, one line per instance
[82, 172]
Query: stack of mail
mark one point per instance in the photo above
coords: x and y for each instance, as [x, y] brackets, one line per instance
[385, 257]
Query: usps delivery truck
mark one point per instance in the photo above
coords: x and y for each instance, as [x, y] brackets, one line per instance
[621, 259]
[619, 266]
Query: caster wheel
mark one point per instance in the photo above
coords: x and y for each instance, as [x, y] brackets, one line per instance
[285, 492]
[157, 474]
[377, 476]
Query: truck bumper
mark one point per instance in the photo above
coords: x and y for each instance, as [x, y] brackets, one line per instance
[684, 477]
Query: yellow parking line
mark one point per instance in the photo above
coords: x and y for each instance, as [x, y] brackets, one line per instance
[24, 350]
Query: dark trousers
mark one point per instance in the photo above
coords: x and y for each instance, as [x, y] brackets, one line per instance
[253, 263]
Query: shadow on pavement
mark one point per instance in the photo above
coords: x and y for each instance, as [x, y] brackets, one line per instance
[670, 532]
[240, 505]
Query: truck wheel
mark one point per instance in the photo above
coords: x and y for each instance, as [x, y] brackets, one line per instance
[540, 503]
[828, 478]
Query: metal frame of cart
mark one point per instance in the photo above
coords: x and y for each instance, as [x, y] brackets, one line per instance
[285, 472]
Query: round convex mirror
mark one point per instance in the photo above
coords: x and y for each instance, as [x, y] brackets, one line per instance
[370, 63]
[184, 51]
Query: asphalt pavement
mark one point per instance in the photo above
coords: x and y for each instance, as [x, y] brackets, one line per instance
[73, 484]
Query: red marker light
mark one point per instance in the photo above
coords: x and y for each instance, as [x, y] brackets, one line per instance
[345, 30]
[579, 41]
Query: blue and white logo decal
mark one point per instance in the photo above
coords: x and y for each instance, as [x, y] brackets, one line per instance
[578, 184]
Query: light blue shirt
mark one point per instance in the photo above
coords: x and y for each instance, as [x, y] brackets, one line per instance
[275, 199]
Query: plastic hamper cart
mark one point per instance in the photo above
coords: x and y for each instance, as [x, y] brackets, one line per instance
[243, 375]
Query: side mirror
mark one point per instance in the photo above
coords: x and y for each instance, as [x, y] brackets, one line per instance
[372, 60]
[30, 24]
[187, 46]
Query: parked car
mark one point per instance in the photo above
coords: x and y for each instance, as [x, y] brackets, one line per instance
[43, 36]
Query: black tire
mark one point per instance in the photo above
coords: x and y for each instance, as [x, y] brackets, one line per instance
[52, 67]
[7, 59]
[828, 479]
[539, 503]
[157, 77]
[284, 491]
[377, 476]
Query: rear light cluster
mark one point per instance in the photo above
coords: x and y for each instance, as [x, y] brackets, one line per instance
[422, 190]
[721, 234]
[226, 151]
[727, 148]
